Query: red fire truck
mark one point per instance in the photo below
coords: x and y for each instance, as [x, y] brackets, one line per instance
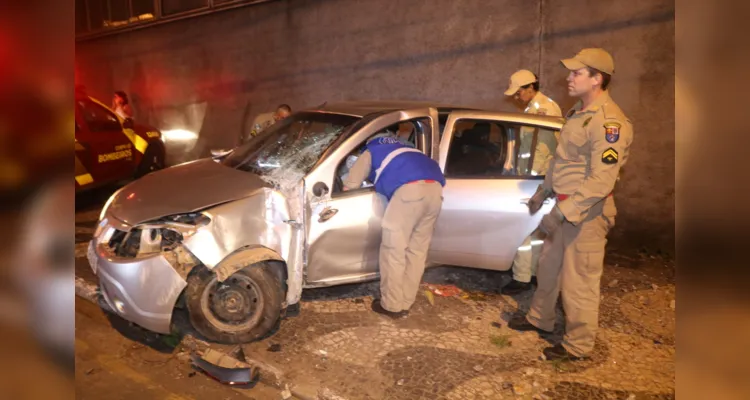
[111, 149]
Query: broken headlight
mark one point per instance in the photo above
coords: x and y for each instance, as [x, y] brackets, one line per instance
[162, 234]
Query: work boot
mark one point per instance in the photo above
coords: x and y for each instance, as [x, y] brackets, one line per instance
[378, 308]
[520, 323]
[515, 287]
[558, 352]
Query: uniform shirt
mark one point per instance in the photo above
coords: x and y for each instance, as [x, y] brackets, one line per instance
[546, 141]
[261, 122]
[594, 145]
[397, 165]
[359, 171]
[543, 105]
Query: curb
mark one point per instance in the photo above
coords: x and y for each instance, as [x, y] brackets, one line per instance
[269, 374]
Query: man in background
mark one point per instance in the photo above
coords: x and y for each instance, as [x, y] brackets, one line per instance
[524, 88]
[263, 121]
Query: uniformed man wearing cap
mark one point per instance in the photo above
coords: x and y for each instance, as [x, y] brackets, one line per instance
[594, 145]
[413, 184]
[524, 87]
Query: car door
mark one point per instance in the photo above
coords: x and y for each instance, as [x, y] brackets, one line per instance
[485, 217]
[344, 227]
[110, 152]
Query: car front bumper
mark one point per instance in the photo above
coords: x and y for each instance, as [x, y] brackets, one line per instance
[141, 290]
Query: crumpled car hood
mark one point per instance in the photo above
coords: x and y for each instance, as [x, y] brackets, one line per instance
[181, 189]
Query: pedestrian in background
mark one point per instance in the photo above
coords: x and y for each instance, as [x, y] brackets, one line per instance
[121, 105]
[263, 121]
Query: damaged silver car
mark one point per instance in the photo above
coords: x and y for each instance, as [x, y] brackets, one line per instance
[239, 237]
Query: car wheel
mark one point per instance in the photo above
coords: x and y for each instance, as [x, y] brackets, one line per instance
[243, 308]
[153, 160]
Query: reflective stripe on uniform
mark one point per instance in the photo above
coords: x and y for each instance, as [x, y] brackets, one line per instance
[390, 158]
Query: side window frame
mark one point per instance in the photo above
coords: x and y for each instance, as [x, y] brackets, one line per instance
[95, 128]
[422, 141]
[510, 129]
[503, 152]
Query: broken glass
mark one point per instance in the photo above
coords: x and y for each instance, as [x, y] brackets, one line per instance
[285, 152]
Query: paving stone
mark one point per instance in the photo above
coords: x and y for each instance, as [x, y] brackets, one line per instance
[445, 351]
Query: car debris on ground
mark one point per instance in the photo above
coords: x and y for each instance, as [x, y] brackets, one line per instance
[225, 368]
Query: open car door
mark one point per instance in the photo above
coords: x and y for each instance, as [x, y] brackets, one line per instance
[485, 217]
[344, 232]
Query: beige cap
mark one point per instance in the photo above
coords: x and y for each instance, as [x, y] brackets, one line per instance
[594, 58]
[519, 78]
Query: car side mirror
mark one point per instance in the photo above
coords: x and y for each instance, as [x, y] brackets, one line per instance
[320, 189]
[128, 123]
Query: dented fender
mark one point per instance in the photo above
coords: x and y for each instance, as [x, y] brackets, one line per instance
[242, 258]
[257, 228]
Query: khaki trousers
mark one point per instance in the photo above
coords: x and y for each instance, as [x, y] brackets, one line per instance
[408, 225]
[571, 263]
[526, 260]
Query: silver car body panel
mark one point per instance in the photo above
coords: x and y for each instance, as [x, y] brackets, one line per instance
[255, 220]
[122, 282]
[363, 108]
[487, 230]
[482, 223]
[345, 248]
[188, 187]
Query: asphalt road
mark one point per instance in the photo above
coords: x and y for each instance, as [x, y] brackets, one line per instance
[115, 360]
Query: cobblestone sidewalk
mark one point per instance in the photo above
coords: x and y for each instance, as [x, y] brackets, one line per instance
[461, 348]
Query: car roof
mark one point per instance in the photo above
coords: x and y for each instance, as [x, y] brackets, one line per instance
[363, 108]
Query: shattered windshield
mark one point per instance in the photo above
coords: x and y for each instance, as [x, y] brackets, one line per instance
[290, 147]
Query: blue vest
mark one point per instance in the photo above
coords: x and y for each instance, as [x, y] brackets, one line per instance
[403, 168]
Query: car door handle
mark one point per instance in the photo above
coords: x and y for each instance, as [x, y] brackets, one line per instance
[327, 214]
[526, 201]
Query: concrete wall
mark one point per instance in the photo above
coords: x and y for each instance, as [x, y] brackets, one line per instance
[213, 74]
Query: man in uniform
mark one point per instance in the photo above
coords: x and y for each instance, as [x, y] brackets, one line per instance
[524, 87]
[594, 145]
[413, 184]
[263, 121]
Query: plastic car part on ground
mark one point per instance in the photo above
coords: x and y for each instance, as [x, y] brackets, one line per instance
[225, 368]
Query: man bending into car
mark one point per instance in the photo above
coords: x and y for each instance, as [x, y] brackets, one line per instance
[413, 184]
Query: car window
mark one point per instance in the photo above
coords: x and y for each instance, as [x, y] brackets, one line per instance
[98, 118]
[532, 150]
[487, 149]
[477, 149]
[287, 150]
[408, 132]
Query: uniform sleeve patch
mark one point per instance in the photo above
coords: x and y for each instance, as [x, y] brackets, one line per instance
[586, 122]
[610, 156]
[570, 113]
[612, 131]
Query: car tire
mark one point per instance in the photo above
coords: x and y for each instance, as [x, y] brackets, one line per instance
[243, 308]
[152, 160]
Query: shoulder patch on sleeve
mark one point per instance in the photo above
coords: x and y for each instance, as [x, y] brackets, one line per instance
[610, 156]
[586, 122]
[570, 113]
[612, 131]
